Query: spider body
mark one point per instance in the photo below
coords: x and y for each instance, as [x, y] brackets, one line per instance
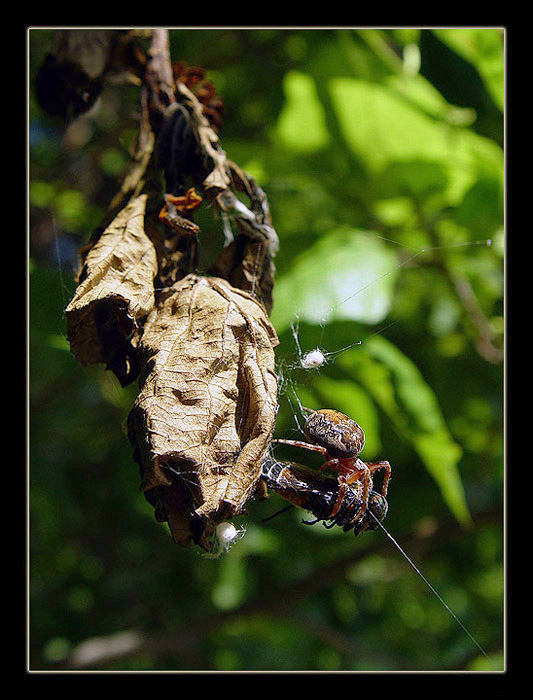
[341, 436]
[340, 440]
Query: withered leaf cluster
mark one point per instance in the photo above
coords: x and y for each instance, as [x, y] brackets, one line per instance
[202, 347]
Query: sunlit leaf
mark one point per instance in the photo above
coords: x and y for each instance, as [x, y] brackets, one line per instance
[481, 210]
[348, 274]
[71, 209]
[413, 177]
[381, 127]
[441, 456]
[57, 341]
[301, 124]
[42, 193]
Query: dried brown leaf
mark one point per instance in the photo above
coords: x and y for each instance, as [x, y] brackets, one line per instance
[206, 410]
[247, 265]
[115, 292]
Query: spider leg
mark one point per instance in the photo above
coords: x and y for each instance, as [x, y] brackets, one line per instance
[304, 445]
[309, 446]
[341, 478]
[374, 466]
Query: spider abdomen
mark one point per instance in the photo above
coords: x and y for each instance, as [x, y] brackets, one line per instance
[340, 435]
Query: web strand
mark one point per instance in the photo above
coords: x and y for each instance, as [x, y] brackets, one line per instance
[315, 359]
[421, 251]
[435, 592]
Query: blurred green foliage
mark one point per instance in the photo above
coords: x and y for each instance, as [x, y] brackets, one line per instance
[381, 154]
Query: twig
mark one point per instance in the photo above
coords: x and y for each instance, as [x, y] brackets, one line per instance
[485, 340]
[159, 70]
[463, 290]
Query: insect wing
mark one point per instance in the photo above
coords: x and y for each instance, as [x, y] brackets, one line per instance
[298, 485]
[310, 490]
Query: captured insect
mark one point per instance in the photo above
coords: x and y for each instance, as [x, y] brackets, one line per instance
[316, 358]
[308, 489]
[340, 440]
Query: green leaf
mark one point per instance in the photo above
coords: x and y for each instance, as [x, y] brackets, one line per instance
[381, 126]
[112, 161]
[441, 455]
[348, 274]
[398, 386]
[57, 341]
[415, 177]
[483, 47]
[42, 193]
[481, 210]
[302, 124]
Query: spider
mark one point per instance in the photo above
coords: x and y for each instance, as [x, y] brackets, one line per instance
[340, 440]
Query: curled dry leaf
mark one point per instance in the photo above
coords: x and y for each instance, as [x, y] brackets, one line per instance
[70, 77]
[116, 291]
[207, 404]
[247, 261]
[219, 178]
[247, 265]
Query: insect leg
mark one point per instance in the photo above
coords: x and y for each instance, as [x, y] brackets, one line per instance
[278, 512]
[328, 526]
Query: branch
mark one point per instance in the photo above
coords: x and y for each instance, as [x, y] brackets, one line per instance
[486, 336]
[159, 70]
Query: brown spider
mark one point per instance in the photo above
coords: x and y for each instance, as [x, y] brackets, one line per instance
[340, 440]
